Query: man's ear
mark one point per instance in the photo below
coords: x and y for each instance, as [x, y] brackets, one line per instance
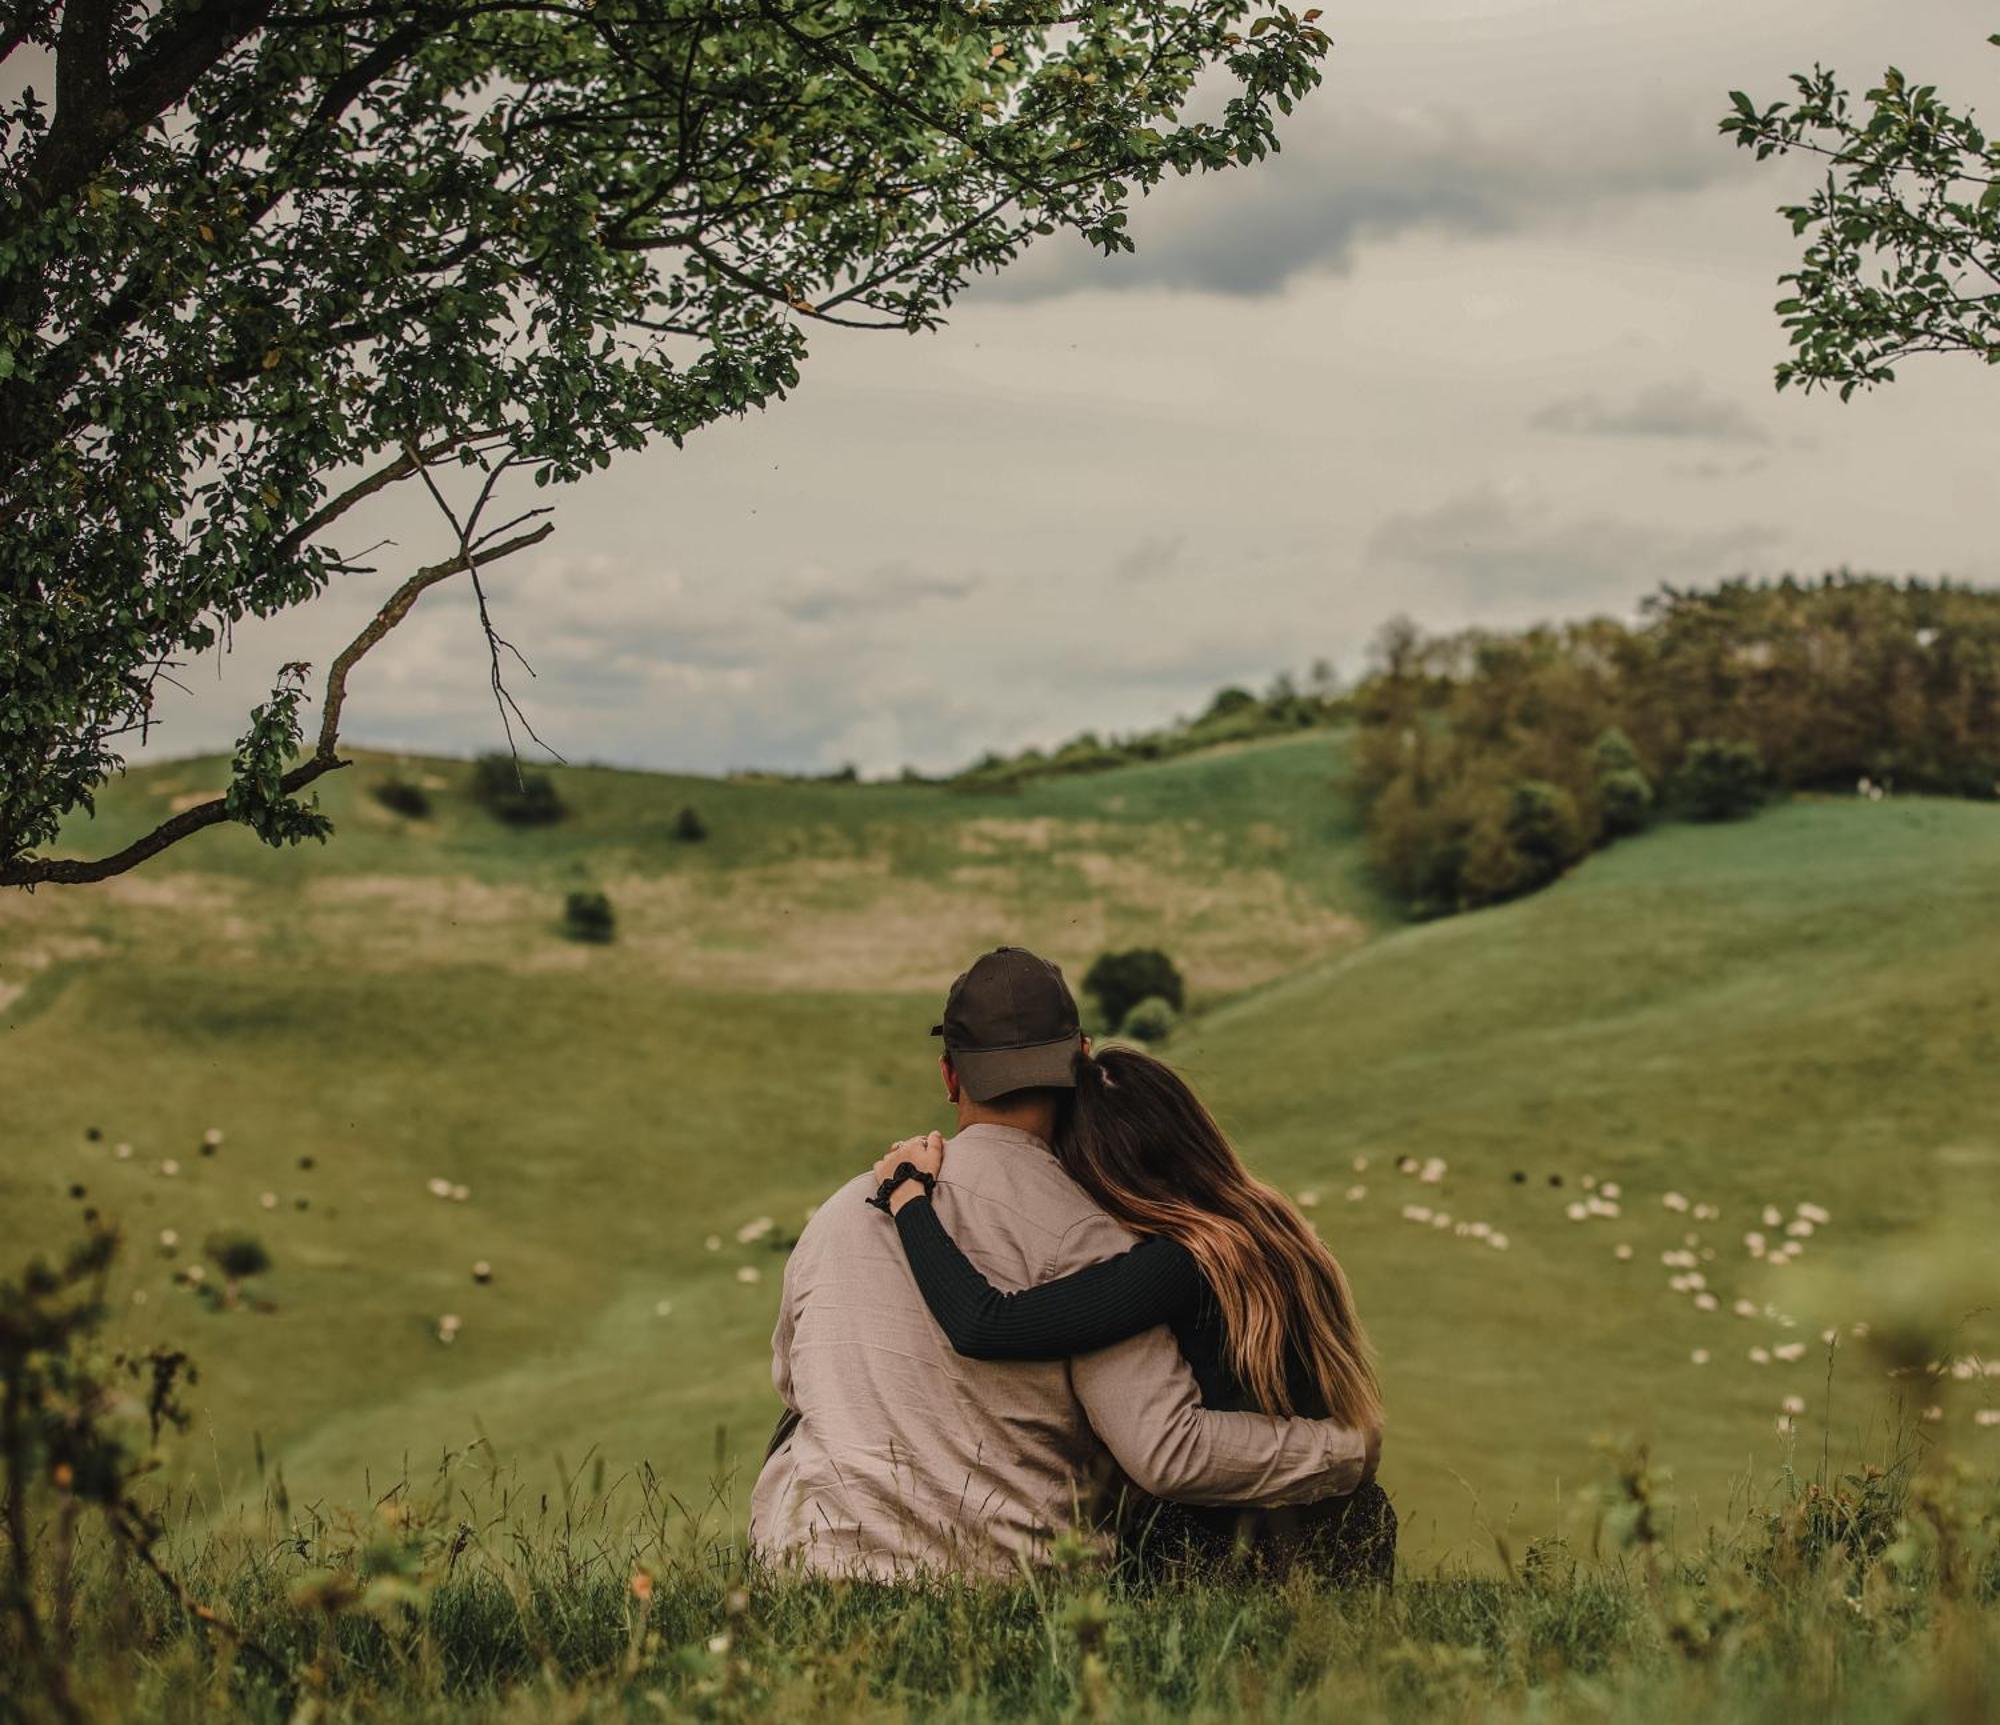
[949, 1073]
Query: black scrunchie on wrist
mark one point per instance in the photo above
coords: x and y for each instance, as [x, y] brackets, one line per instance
[904, 1171]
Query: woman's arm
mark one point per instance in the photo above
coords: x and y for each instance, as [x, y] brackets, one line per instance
[1154, 1283]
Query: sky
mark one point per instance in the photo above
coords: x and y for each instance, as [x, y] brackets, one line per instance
[1490, 342]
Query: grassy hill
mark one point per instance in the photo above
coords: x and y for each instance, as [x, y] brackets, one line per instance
[1797, 1009]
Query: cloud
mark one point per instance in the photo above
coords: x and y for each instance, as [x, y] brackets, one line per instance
[1682, 409]
[816, 596]
[1154, 556]
[1487, 541]
[1349, 176]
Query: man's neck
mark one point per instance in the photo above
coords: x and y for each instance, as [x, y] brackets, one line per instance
[1038, 1119]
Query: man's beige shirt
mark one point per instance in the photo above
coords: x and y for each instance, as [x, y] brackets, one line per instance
[908, 1457]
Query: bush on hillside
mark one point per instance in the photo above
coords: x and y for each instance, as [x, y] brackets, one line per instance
[689, 827]
[401, 796]
[1151, 1021]
[238, 1256]
[1721, 780]
[1118, 981]
[1545, 830]
[1624, 803]
[509, 792]
[588, 916]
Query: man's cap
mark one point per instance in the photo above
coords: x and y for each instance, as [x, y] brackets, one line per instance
[1010, 1024]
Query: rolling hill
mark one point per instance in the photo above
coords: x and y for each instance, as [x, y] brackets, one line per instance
[413, 1071]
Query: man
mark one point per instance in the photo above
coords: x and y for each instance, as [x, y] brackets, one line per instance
[898, 1455]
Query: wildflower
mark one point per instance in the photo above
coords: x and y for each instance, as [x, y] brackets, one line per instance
[1793, 1404]
[718, 1644]
[663, 1309]
[170, 1167]
[747, 1273]
[1622, 1252]
[1829, 1337]
[642, 1586]
[1699, 1357]
[1356, 1193]
[753, 1231]
[1784, 1425]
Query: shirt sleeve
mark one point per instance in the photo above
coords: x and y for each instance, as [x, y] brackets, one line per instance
[1154, 1283]
[1142, 1400]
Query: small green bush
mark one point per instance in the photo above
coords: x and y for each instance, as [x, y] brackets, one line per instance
[1720, 780]
[238, 1256]
[401, 796]
[1152, 1020]
[1625, 802]
[588, 916]
[1545, 830]
[1120, 980]
[509, 792]
[689, 827]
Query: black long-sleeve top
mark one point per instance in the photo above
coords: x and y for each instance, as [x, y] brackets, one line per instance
[1156, 1282]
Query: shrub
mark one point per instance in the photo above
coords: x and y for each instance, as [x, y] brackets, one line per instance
[401, 796]
[1625, 802]
[510, 793]
[689, 827]
[588, 915]
[1152, 1020]
[238, 1256]
[1721, 780]
[1120, 980]
[1545, 830]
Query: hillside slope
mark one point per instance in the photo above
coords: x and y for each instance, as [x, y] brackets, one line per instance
[1798, 1008]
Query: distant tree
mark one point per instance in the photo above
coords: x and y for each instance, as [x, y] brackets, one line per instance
[1118, 981]
[1227, 703]
[689, 827]
[1721, 780]
[404, 797]
[1624, 793]
[1545, 830]
[514, 794]
[1152, 1020]
[1902, 252]
[588, 916]
[261, 263]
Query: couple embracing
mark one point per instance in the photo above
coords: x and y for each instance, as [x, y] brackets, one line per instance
[1080, 1313]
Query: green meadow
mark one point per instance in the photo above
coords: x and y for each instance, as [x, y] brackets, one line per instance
[1797, 1009]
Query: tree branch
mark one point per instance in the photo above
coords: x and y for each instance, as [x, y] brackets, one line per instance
[60, 871]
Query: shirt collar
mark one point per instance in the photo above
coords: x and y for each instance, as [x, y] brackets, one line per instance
[992, 1132]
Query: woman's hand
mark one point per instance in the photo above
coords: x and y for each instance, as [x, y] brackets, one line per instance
[925, 1154]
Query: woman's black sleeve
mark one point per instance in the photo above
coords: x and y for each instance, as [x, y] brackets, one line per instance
[1091, 1308]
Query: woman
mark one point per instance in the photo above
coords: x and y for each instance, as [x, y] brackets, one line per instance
[1259, 1305]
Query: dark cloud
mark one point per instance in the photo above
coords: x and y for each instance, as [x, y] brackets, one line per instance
[1488, 542]
[821, 597]
[1682, 409]
[1347, 177]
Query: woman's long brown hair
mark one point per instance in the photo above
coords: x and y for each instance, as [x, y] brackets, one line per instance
[1138, 1140]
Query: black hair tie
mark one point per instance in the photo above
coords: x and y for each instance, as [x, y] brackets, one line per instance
[904, 1171]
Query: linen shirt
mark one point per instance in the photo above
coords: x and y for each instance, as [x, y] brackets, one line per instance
[907, 1457]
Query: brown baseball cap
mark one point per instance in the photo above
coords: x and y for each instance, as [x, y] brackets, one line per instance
[1010, 1024]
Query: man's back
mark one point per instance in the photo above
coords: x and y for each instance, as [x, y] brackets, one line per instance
[907, 1456]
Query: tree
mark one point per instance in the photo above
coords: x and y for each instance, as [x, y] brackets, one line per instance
[262, 261]
[1118, 981]
[1902, 248]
